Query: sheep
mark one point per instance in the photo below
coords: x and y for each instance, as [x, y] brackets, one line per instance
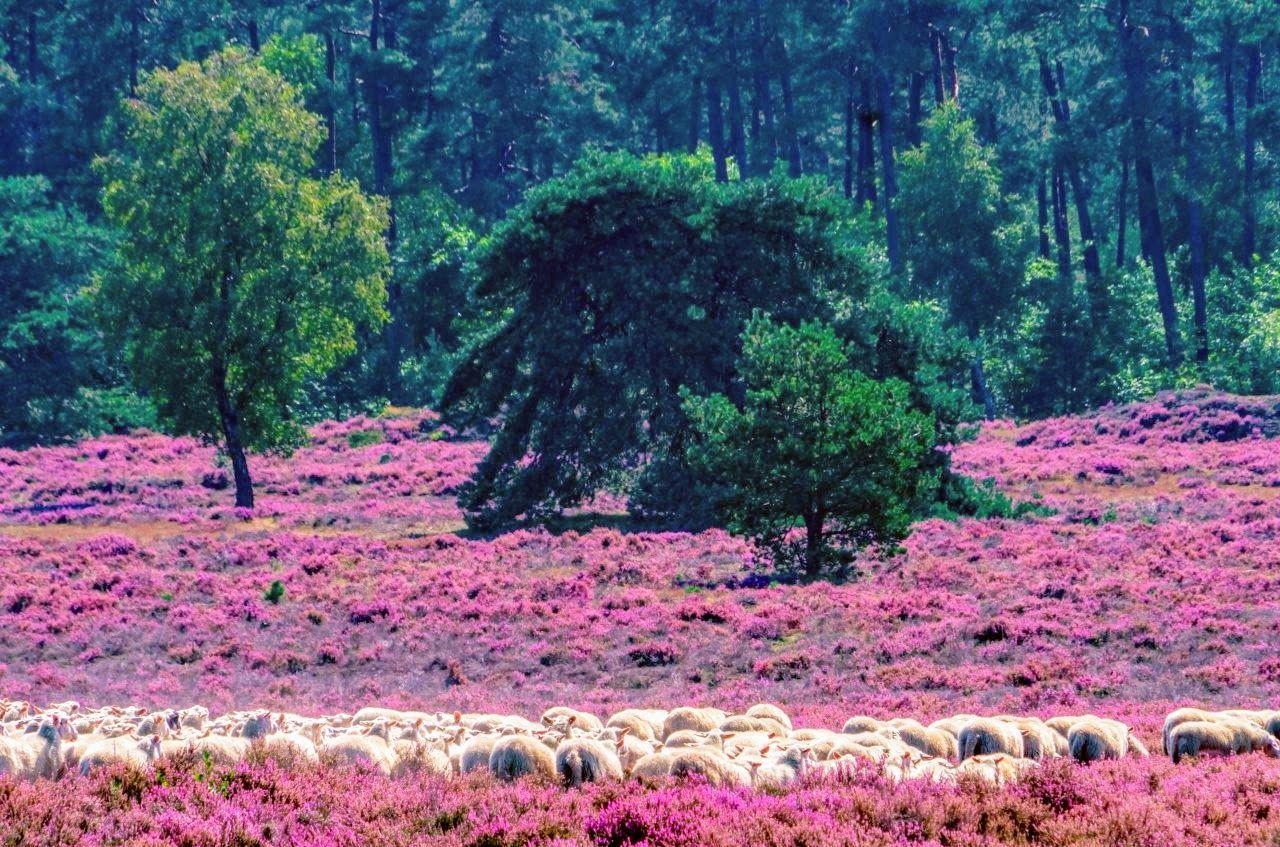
[1181, 716]
[367, 749]
[713, 766]
[132, 750]
[690, 738]
[584, 721]
[474, 754]
[636, 719]
[158, 723]
[222, 750]
[929, 740]
[1061, 724]
[982, 736]
[633, 722]
[34, 755]
[631, 750]
[1222, 737]
[952, 725]
[1273, 725]
[289, 747]
[416, 755]
[861, 723]
[687, 717]
[768, 711]
[742, 723]
[580, 760]
[997, 768]
[653, 767]
[740, 742]
[515, 756]
[779, 772]
[260, 725]
[1038, 740]
[193, 717]
[1092, 738]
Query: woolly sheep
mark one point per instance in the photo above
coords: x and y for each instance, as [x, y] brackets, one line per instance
[985, 736]
[35, 755]
[515, 756]
[361, 749]
[637, 720]
[687, 717]
[580, 760]
[475, 753]
[768, 711]
[584, 721]
[998, 768]
[928, 740]
[1038, 740]
[1181, 716]
[861, 723]
[1092, 738]
[713, 766]
[1222, 737]
[130, 750]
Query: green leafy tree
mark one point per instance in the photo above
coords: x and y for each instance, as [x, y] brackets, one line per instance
[962, 242]
[612, 287]
[813, 443]
[239, 274]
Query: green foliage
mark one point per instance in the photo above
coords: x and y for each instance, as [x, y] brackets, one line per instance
[274, 593]
[1244, 355]
[239, 276]
[963, 242]
[364, 438]
[54, 373]
[618, 284]
[815, 443]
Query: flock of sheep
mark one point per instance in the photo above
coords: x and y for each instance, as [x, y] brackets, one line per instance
[759, 747]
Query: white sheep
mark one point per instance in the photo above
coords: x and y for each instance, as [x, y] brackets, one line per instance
[516, 756]
[987, 736]
[580, 760]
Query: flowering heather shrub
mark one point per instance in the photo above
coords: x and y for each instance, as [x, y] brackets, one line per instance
[1130, 802]
[125, 578]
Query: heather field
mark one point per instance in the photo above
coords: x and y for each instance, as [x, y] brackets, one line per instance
[1150, 580]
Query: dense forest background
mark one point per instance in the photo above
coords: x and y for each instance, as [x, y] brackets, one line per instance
[1088, 189]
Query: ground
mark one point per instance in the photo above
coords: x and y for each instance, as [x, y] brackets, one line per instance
[1148, 579]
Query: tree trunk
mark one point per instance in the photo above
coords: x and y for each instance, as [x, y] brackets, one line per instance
[134, 57]
[1122, 212]
[949, 63]
[981, 391]
[1195, 224]
[763, 93]
[1061, 229]
[234, 442]
[866, 192]
[1227, 63]
[715, 127]
[329, 161]
[1042, 213]
[1252, 86]
[849, 120]
[737, 129]
[695, 114]
[1149, 225]
[813, 544]
[1055, 90]
[935, 58]
[382, 33]
[915, 94]
[888, 173]
[795, 167]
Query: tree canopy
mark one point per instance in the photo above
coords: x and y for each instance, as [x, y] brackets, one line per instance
[239, 275]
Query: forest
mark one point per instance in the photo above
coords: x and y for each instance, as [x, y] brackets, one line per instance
[1081, 195]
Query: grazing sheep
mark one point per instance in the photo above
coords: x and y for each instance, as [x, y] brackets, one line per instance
[634, 724]
[475, 753]
[419, 756]
[1181, 716]
[131, 750]
[631, 750]
[781, 771]
[580, 760]
[515, 756]
[713, 766]
[361, 749]
[654, 767]
[289, 747]
[1092, 738]
[1039, 741]
[768, 711]
[1273, 725]
[584, 721]
[687, 717]
[1224, 737]
[260, 724]
[928, 740]
[645, 724]
[861, 723]
[986, 736]
[1061, 724]
[809, 735]
[690, 738]
[222, 750]
[34, 755]
[742, 723]
[997, 768]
